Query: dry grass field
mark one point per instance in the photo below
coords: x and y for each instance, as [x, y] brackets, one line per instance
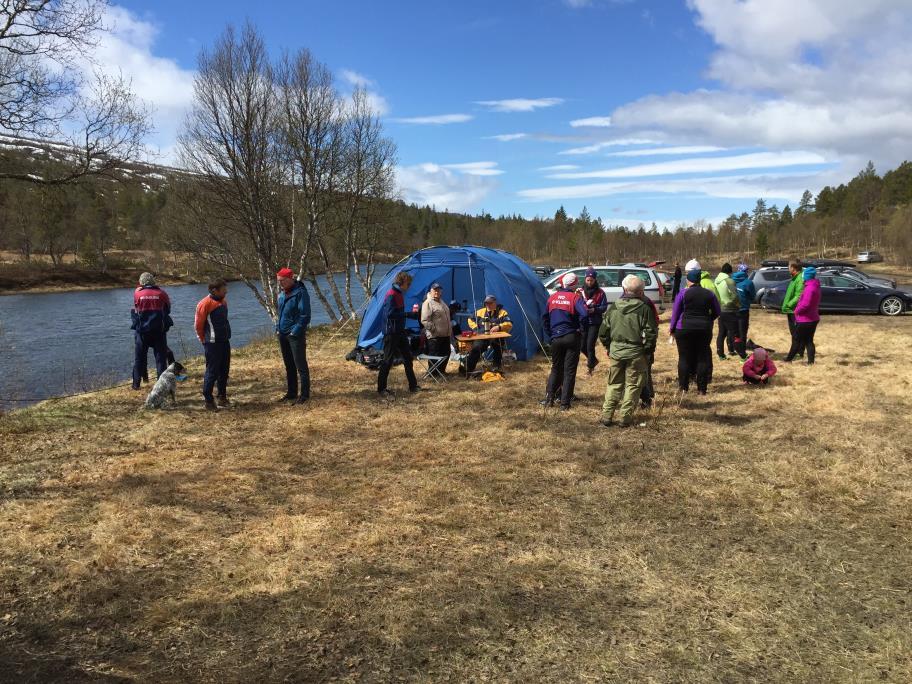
[465, 534]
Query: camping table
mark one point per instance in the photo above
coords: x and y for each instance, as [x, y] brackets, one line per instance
[481, 337]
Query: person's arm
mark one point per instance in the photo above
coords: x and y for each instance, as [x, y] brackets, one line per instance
[471, 321]
[803, 304]
[503, 321]
[716, 310]
[604, 333]
[425, 319]
[650, 331]
[751, 291]
[199, 322]
[787, 305]
[676, 310]
[771, 369]
[601, 306]
[302, 315]
[546, 324]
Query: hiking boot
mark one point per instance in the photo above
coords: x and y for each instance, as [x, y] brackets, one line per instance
[210, 406]
[564, 407]
[386, 394]
[301, 400]
[286, 397]
[722, 357]
[547, 402]
[607, 421]
[223, 401]
[416, 389]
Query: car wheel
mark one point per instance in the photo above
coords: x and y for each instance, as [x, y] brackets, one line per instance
[892, 306]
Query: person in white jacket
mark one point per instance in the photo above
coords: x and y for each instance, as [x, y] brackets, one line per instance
[435, 318]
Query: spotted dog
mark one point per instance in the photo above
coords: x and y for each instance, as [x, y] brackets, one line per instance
[164, 387]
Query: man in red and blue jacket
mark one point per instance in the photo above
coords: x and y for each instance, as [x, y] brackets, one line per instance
[395, 338]
[563, 323]
[151, 315]
[214, 331]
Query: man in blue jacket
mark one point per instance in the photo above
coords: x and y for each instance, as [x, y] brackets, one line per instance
[151, 317]
[395, 336]
[747, 293]
[291, 328]
[563, 323]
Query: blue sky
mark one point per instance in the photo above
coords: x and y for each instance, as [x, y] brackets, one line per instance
[639, 110]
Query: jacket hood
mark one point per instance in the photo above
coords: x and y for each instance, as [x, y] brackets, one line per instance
[739, 277]
[721, 278]
[628, 305]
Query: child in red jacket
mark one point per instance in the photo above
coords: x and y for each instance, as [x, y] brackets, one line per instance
[759, 368]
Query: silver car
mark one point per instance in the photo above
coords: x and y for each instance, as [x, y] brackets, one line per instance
[869, 257]
[610, 278]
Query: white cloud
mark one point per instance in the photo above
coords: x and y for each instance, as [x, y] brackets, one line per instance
[520, 104]
[436, 119]
[657, 151]
[750, 186]
[597, 147]
[559, 167]
[507, 137]
[592, 121]
[482, 168]
[127, 49]
[443, 188]
[833, 76]
[755, 160]
[357, 80]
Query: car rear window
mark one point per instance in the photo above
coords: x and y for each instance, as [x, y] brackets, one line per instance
[642, 275]
[774, 275]
[609, 277]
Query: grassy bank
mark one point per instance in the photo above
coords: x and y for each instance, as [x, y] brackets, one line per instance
[37, 277]
[466, 534]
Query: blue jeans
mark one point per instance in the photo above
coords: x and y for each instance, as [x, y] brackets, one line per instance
[158, 343]
[218, 362]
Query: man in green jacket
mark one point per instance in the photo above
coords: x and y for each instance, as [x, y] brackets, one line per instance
[727, 292]
[629, 332]
[792, 295]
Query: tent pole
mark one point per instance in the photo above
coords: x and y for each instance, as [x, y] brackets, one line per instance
[531, 327]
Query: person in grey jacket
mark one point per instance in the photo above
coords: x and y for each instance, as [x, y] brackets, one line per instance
[435, 318]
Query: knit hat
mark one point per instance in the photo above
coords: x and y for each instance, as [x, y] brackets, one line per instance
[743, 268]
[146, 279]
[810, 273]
[691, 265]
[489, 299]
[568, 280]
[760, 354]
[590, 273]
[285, 273]
[727, 268]
[694, 275]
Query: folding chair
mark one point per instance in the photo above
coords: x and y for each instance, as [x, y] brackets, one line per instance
[433, 367]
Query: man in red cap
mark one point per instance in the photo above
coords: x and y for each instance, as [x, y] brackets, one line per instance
[292, 319]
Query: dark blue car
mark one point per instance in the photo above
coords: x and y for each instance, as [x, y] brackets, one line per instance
[840, 292]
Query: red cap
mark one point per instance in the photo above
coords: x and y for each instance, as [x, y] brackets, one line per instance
[285, 273]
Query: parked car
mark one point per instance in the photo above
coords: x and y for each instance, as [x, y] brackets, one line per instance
[843, 293]
[869, 257]
[769, 277]
[543, 271]
[610, 278]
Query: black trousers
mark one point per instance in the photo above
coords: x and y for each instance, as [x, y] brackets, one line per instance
[728, 330]
[744, 318]
[142, 342]
[218, 363]
[754, 381]
[565, 353]
[588, 342]
[803, 341]
[694, 357]
[439, 346]
[648, 393]
[294, 354]
[479, 347]
[393, 346]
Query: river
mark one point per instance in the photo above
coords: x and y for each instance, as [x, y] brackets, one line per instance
[60, 343]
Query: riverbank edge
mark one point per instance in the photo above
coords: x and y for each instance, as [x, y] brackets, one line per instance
[259, 345]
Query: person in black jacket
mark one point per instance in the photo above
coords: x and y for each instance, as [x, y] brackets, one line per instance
[395, 336]
[695, 309]
[676, 281]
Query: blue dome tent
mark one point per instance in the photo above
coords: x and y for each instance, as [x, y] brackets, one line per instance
[467, 274]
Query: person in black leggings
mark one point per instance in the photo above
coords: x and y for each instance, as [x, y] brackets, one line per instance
[695, 309]
[807, 316]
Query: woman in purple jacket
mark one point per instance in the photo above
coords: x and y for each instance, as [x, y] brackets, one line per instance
[807, 316]
[695, 309]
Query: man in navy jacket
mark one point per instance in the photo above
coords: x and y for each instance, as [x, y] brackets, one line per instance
[395, 337]
[151, 317]
[563, 323]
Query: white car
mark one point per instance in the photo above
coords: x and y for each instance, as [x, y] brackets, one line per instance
[869, 257]
[610, 279]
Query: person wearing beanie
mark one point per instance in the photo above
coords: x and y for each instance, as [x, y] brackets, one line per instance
[691, 265]
[792, 295]
[691, 325]
[563, 323]
[629, 332]
[729, 304]
[214, 332]
[807, 316]
[490, 318]
[758, 369]
[293, 317]
[747, 293]
[151, 320]
[597, 305]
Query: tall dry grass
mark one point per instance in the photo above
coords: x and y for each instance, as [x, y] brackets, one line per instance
[465, 534]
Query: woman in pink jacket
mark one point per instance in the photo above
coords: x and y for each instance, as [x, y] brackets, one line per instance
[807, 316]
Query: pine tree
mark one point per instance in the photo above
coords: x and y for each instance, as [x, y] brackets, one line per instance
[806, 205]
